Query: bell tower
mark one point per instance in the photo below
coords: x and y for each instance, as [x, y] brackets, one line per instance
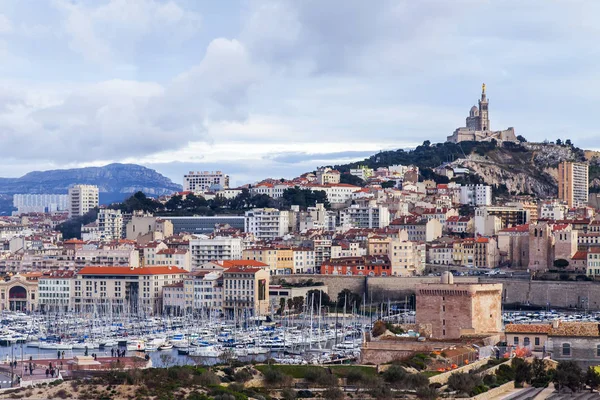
[484, 120]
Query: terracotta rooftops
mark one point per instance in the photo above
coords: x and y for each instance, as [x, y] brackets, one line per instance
[149, 270]
[581, 329]
[528, 328]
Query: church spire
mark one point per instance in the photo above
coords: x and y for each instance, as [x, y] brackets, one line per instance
[483, 96]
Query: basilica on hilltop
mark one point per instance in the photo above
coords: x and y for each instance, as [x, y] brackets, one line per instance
[478, 129]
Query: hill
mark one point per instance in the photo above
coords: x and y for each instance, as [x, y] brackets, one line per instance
[528, 168]
[115, 181]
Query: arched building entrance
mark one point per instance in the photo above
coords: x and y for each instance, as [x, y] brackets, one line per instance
[17, 298]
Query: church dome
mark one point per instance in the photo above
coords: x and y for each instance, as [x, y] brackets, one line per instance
[474, 111]
[447, 278]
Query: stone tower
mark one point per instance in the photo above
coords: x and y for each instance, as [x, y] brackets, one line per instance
[484, 119]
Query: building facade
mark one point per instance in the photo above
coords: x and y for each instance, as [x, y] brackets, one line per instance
[267, 223]
[246, 292]
[82, 198]
[573, 183]
[203, 181]
[40, 203]
[204, 249]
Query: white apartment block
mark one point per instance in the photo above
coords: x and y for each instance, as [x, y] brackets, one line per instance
[304, 261]
[203, 181]
[110, 224]
[116, 257]
[476, 195]
[553, 210]
[204, 249]
[82, 198]
[208, 292]
[54, 291]
[370, 216]
[40, 203]
[336, 193]
[267, 223]
[136, 290]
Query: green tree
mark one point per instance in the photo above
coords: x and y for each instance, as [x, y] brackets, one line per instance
[394, 375]
[540, 378]
[281, 306]
[388, 184]
[348, 298]
[72, 227]
[521, 139]
[522, 370]
[569, 375]
[559, 142]
[350, 179]
[568, 142]
[313, 296]
[592, 378]
[463, 382]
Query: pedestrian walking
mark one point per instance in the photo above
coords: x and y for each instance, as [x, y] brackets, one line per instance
[63, 354]
[58, 356]
[112, 352]
[52, 373]
[47, 373]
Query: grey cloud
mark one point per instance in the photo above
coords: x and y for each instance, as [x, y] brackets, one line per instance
[301, 157]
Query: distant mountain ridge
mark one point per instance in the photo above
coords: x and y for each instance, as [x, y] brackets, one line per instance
[114, 181]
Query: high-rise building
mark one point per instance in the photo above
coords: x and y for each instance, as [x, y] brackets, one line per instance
[82, 198]
[267, 223]
[40, 203]
[203, 181]
[110, 224]
[204, 249]
[476, 195]
[573, 183]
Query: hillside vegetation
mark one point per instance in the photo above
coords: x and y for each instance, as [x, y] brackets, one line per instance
[525, 168]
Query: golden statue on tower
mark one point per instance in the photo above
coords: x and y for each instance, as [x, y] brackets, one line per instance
[483, 88]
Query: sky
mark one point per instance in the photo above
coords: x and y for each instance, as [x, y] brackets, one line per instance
[275, 88]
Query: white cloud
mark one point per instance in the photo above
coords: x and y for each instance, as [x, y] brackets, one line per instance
[5, 24]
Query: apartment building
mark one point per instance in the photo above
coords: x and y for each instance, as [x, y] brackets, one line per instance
[489, 220]
[379, 265]
[476, 195]
[370, 216]
[82, 198]
[207, 292]
[206, 248]
[137, 290]
[245, 292]
[177, 257]
[304, 260]
[267, 223]
[40, 203]
[204, 181]
[573, 183]
[145, 228]
[327, 175]
[110, 224]
[54, 291]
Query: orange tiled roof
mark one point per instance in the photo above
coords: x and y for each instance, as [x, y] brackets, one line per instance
[242, 263]
[580, 255]
[149, 270]
[528, 328]
[576, 329]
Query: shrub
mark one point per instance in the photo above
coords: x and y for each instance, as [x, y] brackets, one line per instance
[288, 394]
[208, 378]
[379, 328]
[333, 393]
[394, 374]
[62, 394]
[427, 393]
[274, 377]
[463, 382]
[305, 394]
[243, 375]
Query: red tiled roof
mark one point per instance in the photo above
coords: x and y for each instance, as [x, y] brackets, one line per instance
[148, 270]
[518, 228]
[528, 328]
[250, 270]
[242, 263]
[580, 255]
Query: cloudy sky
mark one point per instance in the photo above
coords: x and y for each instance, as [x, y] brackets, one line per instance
[274, 88]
